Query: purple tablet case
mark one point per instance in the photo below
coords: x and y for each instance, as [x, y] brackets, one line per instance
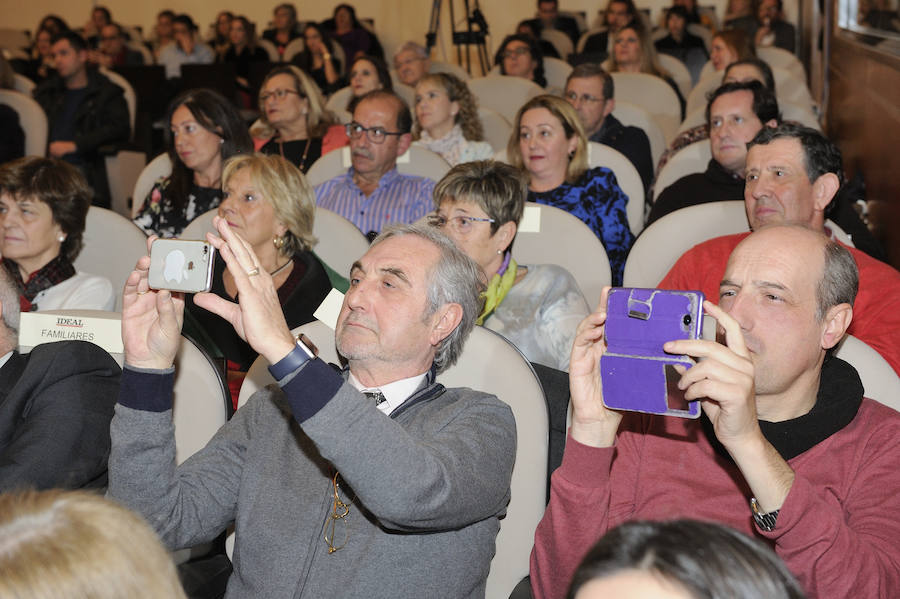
[634, 368]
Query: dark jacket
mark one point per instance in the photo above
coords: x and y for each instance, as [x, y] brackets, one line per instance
[713, 185]
[55, 407]
[101, 120]
[785, 35]
[630, 141]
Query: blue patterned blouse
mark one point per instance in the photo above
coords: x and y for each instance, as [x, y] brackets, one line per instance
[599, 202]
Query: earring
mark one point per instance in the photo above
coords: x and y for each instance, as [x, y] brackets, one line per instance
[221, 141]
[61, 238]
[499, 252]
[278, 242]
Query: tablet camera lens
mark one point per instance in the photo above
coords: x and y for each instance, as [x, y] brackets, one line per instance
[687, 320]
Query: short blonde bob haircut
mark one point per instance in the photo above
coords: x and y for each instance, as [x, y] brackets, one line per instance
[318, 119]
[571, 124]
[69, 544]
[284, 186]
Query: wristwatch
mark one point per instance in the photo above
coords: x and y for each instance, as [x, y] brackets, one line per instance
[764, 520]
[303, 351]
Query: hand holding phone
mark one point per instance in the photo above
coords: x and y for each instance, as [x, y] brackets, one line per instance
[636, 373]
[181, 265]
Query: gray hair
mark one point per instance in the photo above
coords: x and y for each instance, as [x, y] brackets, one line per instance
[9, 300]
[454, 279]
[840, 279]
[420, 50]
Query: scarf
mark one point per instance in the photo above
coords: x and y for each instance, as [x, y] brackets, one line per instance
[449, 147]
[54, 272]
[837, 402]
[500, 285]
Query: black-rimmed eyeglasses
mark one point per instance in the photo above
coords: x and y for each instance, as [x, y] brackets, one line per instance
[376, 135]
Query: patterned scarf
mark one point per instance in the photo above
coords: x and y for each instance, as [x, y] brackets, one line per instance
[449, 147]
[500, 285]
[54, 272]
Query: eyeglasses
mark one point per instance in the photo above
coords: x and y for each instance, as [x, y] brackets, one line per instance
[521, 51]
[376, 135]
[281, 94]
[573, 97]
[459, 224]
[339, 513]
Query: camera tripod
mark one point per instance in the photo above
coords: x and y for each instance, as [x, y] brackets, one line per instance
[473, 35]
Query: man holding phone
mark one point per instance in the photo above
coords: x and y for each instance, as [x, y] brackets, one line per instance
[375, 482]
[787, 450]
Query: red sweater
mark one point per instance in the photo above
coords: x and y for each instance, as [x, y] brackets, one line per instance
[838, 530]
[876, 312]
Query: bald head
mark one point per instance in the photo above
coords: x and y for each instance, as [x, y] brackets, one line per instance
[791, 291]
[801, 248]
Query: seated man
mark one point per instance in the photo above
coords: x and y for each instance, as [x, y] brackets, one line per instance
[113, 51]
[787, 449]
[85, 110]
[768, 27]
[793, 173]
[186, 49]
[591, 92]
[598, 46]
[682, 44]
[372, 193]
[411, 62]
[55, 406]
[377, 482]
[548, 17]
[735, 113]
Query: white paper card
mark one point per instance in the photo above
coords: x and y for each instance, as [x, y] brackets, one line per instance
[36, 328]
[346, 159]
[330, 308]
[531, 220]
[403, 158]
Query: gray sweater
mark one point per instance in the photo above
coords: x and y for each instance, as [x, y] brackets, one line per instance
[428, 485]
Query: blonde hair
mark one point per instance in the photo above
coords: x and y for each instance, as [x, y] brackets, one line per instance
[70, 544]
[649, 61]
[457, 91]
[571, 125]
[285, 187]
[318, 119]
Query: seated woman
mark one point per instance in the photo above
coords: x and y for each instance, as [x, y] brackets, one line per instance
[367, 73]
[681, 559]
[355, 39]
[78, 544]
[269, 203]
[204, 130]
[447, 120]
[537, 307]
[221, 36]
[284, 19]
[633, 52]
[317, 61]
[520, 56]
[43, 206]
[728, 46]
[293, 121]
[548, 143]
[242, 50]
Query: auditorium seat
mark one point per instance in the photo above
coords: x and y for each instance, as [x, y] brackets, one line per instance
[484, 354]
